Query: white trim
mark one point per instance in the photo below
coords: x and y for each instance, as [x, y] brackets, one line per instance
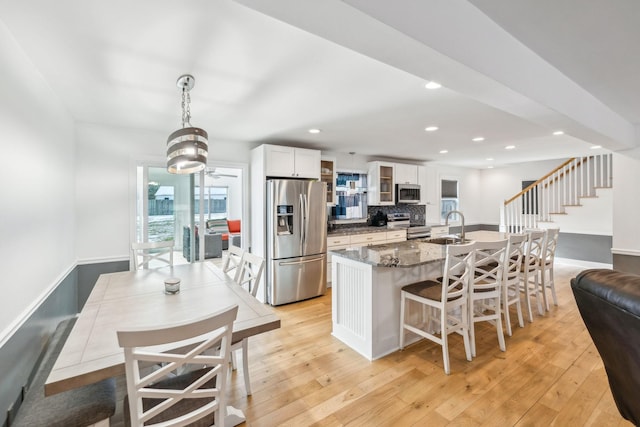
[103, 260]
[630, 252]
[13, 327]
[581, 263]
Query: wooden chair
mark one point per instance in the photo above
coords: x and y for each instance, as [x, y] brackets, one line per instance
[546, 266]
[448, 297]
[529, 283]
[146, 252]
[511, 279]
[248, 273]
[485, 290]
[184, 399]
[233, 261]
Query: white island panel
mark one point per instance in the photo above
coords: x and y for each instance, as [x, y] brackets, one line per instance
[366, 303]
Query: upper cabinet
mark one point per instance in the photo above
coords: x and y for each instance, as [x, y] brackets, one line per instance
[406, 174]
[290, 162]
[328, 176]
[381, 184]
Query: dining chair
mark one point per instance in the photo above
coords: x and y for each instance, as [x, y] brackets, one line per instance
[194, 398]
[529, 283]
[546, 266]
[485, 289]
[511, 279]
[146, 252]
[449, 298]
[233, 261]
[248, 274]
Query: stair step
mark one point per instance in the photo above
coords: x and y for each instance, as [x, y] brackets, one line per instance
[572, 205]
[557, 213]
[604, 187]
[587, 197]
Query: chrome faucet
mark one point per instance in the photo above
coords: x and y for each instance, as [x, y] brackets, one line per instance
[446, 221]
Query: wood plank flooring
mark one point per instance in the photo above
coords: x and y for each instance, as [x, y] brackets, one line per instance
[550, 375]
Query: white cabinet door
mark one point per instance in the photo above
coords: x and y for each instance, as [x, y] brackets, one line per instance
[307, 163]
[406, 174]
[382, 189]
[279, 161]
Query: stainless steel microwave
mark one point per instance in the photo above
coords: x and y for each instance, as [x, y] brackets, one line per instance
[407, 193]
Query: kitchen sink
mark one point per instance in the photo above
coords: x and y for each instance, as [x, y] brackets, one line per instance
[448, 240]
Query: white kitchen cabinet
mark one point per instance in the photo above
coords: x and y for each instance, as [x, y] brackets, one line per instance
[328, 176]
[291, 162]
[345, 241]
[406, 174]
[382, 189]
[439, 230]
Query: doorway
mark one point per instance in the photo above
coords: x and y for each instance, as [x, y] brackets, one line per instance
[177, 207]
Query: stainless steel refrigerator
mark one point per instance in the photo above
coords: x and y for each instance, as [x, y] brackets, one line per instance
[296, 240]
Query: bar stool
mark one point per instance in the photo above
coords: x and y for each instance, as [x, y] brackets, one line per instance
[529, 284]
[511, 278]
[486, 289]
[546, 266]
[451, 301]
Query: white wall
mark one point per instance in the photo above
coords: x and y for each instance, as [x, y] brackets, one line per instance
[626, 202]
[37, 191]
[107, 157]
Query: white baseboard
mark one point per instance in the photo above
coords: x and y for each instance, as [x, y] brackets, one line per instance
[581, 263]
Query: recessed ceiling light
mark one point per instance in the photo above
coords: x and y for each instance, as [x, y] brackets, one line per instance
[558, 132]
[478, 139]
[489, 167]
[595, 147]
[314, 130]
[489, 159]
[444, 151]
[431, 128]
[433, 85]
[509, 147]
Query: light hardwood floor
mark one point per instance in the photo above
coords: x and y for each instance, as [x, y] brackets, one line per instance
[550, 374]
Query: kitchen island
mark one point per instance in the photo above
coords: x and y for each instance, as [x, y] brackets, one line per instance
[366, 290]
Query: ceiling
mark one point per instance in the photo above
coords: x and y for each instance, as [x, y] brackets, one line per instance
[267, 71]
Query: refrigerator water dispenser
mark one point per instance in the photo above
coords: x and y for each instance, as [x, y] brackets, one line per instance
[285, 220]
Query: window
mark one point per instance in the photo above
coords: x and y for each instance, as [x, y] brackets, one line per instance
[530, 199]
[449, 198]
[216, 204]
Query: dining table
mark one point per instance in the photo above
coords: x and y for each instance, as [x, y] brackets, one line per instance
[137, 299]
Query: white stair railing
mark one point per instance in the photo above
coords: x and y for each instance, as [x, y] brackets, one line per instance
[577, 178]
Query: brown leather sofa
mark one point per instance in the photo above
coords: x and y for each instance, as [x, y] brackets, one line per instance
[609, 303]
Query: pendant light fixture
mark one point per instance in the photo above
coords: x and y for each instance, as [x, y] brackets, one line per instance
[187, 148]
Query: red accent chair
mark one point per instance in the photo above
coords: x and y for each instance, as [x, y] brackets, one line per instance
[234, 232]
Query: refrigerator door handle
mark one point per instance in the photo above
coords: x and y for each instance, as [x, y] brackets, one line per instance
[302, 221]
[306, 218]
[301, 262]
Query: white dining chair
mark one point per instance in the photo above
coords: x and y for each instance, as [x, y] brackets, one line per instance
[233, 261]
[485, 289]
[248, 275]
[161, 397]
[546, 266]
[529, 283]
[146, 253]
[448, 298]
[511, 279]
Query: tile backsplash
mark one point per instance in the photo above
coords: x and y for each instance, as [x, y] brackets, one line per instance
[418, 212]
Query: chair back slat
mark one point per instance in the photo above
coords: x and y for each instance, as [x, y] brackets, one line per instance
[250, 272]
[233, 261]
[143, 253]
[205, 343]
[457, 265]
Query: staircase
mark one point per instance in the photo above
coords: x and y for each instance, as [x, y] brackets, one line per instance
[576, 179]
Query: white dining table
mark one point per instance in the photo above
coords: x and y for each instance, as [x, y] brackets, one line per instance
[136, 299]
